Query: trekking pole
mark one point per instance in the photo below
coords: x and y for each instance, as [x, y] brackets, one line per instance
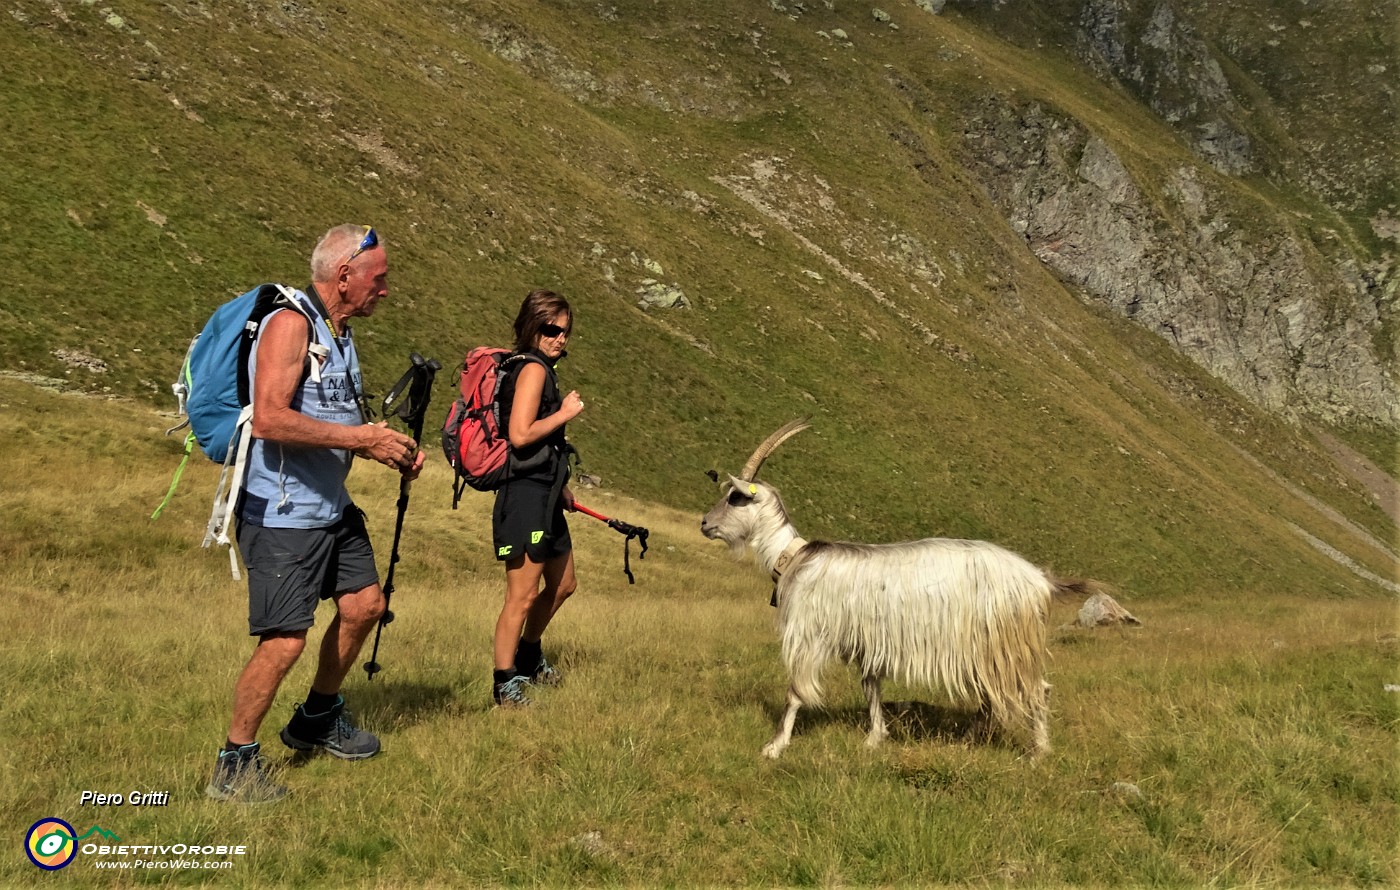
[418, 380]
[628, 530]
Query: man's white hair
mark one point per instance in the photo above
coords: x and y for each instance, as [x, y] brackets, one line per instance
[334, 246]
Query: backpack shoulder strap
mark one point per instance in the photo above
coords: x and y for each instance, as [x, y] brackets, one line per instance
[295, 299]
[513, 363]
[270, 298]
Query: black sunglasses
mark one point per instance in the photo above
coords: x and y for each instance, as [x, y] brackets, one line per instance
[369, 242]
[550, 331]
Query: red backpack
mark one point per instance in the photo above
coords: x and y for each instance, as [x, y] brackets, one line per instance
[472, 438]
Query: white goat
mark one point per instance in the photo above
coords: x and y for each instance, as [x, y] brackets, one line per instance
[967, 616]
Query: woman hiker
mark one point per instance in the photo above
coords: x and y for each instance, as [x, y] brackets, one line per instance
[527, 524]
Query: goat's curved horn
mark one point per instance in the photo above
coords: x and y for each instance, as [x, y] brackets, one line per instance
[781, 435]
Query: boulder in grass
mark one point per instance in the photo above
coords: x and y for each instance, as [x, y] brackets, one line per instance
[1100, 610]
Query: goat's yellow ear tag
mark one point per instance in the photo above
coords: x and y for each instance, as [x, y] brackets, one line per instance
[753, 489]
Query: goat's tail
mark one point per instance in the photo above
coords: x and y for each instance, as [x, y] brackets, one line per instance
[1074, 588]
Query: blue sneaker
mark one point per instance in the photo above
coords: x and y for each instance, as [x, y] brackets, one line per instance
[511, 693]
[546, 674]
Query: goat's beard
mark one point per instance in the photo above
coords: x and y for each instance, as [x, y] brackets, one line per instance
[737, 546]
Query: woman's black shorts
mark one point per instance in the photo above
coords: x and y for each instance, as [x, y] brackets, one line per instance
[523, 521]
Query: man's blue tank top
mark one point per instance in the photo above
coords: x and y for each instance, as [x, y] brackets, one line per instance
[294, 487]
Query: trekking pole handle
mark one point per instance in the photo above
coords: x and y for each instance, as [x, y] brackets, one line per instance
[418, 380]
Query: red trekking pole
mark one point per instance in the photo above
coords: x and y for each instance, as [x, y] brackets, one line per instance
[628, 530]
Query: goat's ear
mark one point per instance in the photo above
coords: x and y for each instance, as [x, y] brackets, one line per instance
[744, 488]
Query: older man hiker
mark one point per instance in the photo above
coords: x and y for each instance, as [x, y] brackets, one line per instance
[301, 537]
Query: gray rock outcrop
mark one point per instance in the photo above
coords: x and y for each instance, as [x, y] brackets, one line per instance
[1246, 297]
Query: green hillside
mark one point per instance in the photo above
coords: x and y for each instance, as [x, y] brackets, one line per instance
[808, 194]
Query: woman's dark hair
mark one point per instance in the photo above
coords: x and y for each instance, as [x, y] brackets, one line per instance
[539, 309]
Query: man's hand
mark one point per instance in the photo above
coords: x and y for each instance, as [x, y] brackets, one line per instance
[390, 448]
[411, 472]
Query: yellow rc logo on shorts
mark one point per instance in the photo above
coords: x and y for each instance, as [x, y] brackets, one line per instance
[536, 537]
[504, 551]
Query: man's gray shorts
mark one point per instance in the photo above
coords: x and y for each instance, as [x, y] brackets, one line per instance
[290, 570]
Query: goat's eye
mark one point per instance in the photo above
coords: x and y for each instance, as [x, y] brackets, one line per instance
[738, 498]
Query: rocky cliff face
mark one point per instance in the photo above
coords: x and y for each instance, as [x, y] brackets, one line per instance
[1293, 306]
[1163, 58]
[1302, 93]
[1248, 298]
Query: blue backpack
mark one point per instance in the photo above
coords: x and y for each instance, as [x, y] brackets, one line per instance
[214, 395]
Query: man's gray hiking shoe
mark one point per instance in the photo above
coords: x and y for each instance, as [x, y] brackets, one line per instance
[333, 731]
[240, 777]
[511, 693]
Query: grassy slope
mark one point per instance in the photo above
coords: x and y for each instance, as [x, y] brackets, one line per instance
[1254, 729]
[1032, 419]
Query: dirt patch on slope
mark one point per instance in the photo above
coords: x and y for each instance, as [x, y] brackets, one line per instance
[1384, 490]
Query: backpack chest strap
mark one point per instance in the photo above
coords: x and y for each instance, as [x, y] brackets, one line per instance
[317, 356]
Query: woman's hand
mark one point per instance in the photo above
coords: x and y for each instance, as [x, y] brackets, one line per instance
[573, 405]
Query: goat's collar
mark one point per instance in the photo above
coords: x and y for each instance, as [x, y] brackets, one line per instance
[784, 561]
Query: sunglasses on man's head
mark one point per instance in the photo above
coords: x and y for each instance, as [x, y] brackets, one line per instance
[550, 331]
[369, 242]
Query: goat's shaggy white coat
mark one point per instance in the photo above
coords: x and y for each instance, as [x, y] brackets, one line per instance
[968, 617]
